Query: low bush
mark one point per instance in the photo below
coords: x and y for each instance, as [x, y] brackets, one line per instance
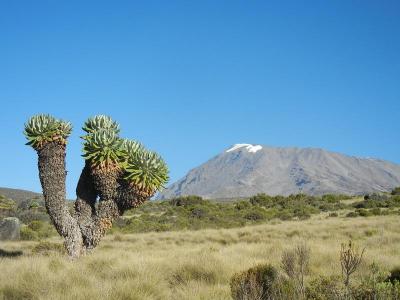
[376, 211]
[394, 275]
[187, 201]
[27, 234]
[192, 272]
[352, 214]
[47, 248]
[241, 205]
[255, 215]
[193, 212]
[376, 286]
[255, 283]
[376, 197]
[363, 212]
[296, 264]
[396, 191]
[325, 288]
[37, 230]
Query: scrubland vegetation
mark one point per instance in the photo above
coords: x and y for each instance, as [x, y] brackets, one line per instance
[189, 248]
[198, 264]
[194, 213]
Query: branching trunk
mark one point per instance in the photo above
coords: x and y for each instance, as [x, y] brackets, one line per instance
[85, 206]
[52, 177]
[83, 230]
[119, 174]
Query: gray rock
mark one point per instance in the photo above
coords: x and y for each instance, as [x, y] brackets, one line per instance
[10, 229]
[245, 170]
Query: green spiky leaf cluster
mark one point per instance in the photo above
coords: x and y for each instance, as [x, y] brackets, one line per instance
[41, 129]
[100, 122]
[102, 145]
[130, 147]
[143, 169]
[146, 170]
[103, 148]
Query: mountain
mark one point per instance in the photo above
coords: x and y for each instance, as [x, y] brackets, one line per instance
[245, 170]
[19, 195]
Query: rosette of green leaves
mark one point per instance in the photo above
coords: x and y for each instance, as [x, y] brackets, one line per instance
[99, 122]
[129, 147]
[146, 170]
[103, 148]
[43, 128]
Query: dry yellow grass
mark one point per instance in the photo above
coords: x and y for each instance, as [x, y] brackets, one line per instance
[191, 264]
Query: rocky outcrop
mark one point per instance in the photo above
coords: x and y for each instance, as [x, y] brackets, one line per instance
[10, 229]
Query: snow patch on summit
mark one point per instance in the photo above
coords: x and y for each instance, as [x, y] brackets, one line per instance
[250, 148]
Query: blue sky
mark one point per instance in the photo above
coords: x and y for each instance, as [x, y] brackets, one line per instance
[190, 78]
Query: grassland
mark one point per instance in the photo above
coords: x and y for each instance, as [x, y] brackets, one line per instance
[189, 264]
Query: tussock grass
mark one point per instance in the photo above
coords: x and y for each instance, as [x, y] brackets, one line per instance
[189, 264]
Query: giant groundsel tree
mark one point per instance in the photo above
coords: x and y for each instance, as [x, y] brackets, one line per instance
[119, 174]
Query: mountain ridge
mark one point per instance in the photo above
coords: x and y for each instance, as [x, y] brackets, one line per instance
[19, 195]
[245, 169]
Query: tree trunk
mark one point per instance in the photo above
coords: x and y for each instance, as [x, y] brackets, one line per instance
[52, 176]
[85, 206]
[105, 184]
[84, 229]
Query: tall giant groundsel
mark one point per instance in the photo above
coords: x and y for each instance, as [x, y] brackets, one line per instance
[119, 174]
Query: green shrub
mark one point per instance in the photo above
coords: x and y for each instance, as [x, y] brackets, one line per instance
[302, 214]
[394, 275]
[352, 214]
[396, 191]
[376, 211]
[334, 198]
[376, 197]
[377, 285]
[363, 212]
[262, 200]
[255, 283]
[37, 225]
[241, 205]
[255, 215]
[43, 229]
[192, 272]
[199, 212]
[187, 201]
[386, 290]
[11, 292]
[325, 288]
[47, 248]
[370, 232]
[193, 212]
[27, 234]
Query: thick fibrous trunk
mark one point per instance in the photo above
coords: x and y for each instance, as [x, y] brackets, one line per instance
[106, 184]
[129, 197]
[85, 206]
[52, 177]
[84, 230]
[94, 222]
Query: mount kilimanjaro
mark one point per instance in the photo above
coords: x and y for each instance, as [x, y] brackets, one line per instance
[245, 170]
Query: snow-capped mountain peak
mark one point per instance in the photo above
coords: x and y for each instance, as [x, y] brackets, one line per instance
[249, 147]
[239, 172]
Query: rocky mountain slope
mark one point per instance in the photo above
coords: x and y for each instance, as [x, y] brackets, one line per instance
[19, 195]
[244, 170]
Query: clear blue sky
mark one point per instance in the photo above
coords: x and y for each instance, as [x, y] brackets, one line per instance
[190, 78]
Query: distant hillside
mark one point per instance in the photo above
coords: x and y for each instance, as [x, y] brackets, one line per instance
[245, 170]
[19, 195]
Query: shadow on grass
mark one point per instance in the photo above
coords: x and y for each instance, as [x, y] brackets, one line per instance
[5, 253]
